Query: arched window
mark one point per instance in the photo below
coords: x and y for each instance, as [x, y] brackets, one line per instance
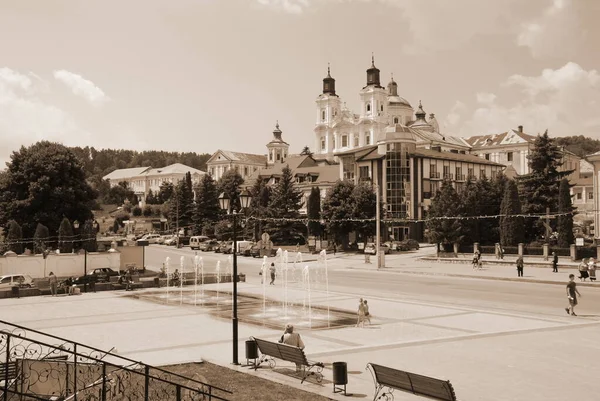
[368, 107]
[355, 141]
[395, 120]
[323, 147]
[367, 138]
[344, 141]
[381, 107]
[323, 114]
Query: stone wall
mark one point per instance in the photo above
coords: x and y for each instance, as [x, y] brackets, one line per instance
[63, 265]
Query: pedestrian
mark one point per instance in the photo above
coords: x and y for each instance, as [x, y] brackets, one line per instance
[361, 314]
[572, 294]
[592, 269]
[501, 252]
[334, 248]
[367, 314]
[272, 271]
[583, 270]
[554, 262]
[53, 281]
[293, 339]
[520, 266]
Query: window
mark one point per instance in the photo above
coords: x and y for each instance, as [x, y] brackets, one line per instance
[368, 107]
[245, 170]
[271, 156]
[590, 195]
[482, 173]
[395, 120]
[458, 173]
[355, 141]
[487, 156]
[509, 156]
[381, 109]
[323, 114]
[471, 173]
[363, 172]
[344, 141]
[578, 196]
[278, 156]
[367, 138]
[322, 143]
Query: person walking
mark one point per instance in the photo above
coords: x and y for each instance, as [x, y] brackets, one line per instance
[520, 266]
[554, 262]
[592, 269]
[366, 309]
[53, 281]
[293, 339]
[572, 294]
[361, 314]
[583, 269]
[334, 248]
[272, 271]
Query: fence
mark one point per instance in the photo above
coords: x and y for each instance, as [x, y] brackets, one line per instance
[63, 265]
[582, 252]
[39, 366]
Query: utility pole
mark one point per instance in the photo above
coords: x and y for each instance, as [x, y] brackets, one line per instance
[377, 227]
[548, 231]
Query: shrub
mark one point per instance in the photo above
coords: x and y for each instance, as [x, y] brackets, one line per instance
[148, 210]
[137, 211]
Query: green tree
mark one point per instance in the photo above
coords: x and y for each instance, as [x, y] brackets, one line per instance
[313, 211]
[539, 189]
[337, 208]
[40, 238]
[65, 236]
[443, 228]
[511, 227]
[565, 221]
[165, 193]
[207, 209]
[14, 237]
[285, 203]
[43, 183]
[230, 183]
[364, 202]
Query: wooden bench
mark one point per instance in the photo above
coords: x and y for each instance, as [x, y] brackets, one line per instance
[387, 379]
[270, 350]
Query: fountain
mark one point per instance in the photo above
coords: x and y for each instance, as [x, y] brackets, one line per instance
[264, 270]
[218, 273]
[198, 263]
[306, 280]
[323, 261]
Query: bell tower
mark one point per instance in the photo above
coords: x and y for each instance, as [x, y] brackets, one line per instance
[277, 149]
[329, 108]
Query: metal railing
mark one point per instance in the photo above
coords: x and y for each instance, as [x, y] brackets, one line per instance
[434, 174]
[34, 368]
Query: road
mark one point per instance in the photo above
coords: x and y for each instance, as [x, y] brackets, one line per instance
[494, 295]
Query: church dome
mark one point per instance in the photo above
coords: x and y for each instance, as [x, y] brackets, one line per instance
[329, 84]
[397, 100]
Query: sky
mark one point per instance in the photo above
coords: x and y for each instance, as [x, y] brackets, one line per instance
[202, 75]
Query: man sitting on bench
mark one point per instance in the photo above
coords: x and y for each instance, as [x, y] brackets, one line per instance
[293, 339]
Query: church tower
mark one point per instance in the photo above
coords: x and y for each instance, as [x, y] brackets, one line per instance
[373, 114]
[277, 149]
[329, 107]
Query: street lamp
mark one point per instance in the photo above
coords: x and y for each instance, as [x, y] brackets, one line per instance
[226, 204]
[76, 226]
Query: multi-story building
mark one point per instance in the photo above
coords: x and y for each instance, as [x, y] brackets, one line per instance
[245, 163]
[143, 179]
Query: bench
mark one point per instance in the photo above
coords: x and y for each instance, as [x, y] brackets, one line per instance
[270, 350]
[135, 283]
[388, 379]
[8, 371]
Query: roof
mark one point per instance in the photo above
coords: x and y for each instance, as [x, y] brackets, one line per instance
[506, 138]
[176, 168]
[250, 158]
[585, 166]
[300, 164]
[434, 154]
[125, 173]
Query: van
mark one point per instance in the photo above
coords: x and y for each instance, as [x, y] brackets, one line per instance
[195, 241]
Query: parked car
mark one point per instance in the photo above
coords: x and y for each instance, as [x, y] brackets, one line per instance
[196, 240]
[15, 280]
[103, 274]
[170, 241]
[164, 238]
[408, 244]
[370, 248]
[255, 251]
[151, 238]
[209, 245]
[226, 247]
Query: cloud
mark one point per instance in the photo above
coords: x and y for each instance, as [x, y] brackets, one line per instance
[25, 117]
[454, 116]
[288, 6]
[82, 87]
[562, 100]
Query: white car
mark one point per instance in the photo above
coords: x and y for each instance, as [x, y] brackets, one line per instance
[151, 238]
[15, 280]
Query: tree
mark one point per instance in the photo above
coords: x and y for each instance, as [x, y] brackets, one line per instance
[65, 236]
[313, 211]
[230, 183]
[337, 208]
[43, 183]
[261, 195]
[364, 202]
[182, 204]
[89, 237]
[165, 193]
[150, 198]
[14, 237]
[565, 220]
[136, 211]
[120, 194]
[148, 211]
[40, 238]
[539, 189]
[443, 228]
[511, 227]
[470, 200]
[306, 151]
[207, 209]
[285, 203]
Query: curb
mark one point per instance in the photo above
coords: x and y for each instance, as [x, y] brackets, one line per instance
[497, 262]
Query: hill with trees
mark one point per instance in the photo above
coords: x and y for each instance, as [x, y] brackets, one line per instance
[579, 144]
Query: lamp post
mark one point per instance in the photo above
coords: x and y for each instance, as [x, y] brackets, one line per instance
[85, 277]
[226, 204]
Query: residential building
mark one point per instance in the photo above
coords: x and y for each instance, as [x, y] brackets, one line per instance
[582, 191]
[143, 179]
[246, 163]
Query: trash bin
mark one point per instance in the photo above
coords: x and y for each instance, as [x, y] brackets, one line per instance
[340, 377]
[15, 291]
[251, 350]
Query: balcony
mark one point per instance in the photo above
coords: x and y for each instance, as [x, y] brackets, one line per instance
[434, 175]
[472, 177]
[448, 176]
[460, 177]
